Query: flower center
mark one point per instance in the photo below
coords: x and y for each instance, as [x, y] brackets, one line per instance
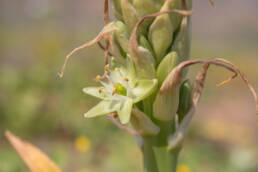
[120, 89]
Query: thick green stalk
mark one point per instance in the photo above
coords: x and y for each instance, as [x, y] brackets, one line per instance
[149, 158]
[159, 158]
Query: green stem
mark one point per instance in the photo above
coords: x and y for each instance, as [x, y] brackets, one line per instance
[149, 159]
[166, 160]
[159, 158]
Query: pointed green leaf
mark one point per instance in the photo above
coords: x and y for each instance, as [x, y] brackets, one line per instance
[124, 111]
[143, 89]
[104, 107]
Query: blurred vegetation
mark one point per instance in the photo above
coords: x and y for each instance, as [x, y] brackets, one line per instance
[38, 106]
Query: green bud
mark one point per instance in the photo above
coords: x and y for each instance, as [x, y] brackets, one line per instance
[174, 17]
[166, 104]
[166, 66]
[130, 15]
[145, 7]
[162, 29]
[116, 50]
[167, 100]
[143, 124]
[122, 36]
[185, 99]
[182, 43]
[117, 10]
[144, 61]
[161, 35]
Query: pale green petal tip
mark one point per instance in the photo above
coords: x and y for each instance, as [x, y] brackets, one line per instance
[102, 108]
[93, 91]
[124, 112]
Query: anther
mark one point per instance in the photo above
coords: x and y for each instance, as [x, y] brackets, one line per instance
[113, 91]
[117, 69]
[107, 67]
[98, 78]
[126, 79]
[101, 89]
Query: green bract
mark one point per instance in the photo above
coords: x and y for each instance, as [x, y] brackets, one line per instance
[121, 88]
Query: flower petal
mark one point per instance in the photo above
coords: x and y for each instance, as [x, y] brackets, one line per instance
[143, 89]
[124, 112]
[95, 92]
[104, 107]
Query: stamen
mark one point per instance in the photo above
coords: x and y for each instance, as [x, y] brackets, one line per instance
[106, 68]
[98, 78]
[113, 91]
[126, 79]
[119, 71]
[101, 89]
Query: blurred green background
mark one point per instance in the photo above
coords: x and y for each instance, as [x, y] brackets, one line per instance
[35, 36]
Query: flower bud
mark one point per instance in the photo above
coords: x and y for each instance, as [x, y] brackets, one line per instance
[145, 7]
[117, 10]
[143, 60]
[116, 50]
[130, 15]
[185, 99]
[182, 43]
[122, 36]
[162, 29]
[166, 66]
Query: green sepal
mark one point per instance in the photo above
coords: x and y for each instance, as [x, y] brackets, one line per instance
[169, 62]
[185, 99]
